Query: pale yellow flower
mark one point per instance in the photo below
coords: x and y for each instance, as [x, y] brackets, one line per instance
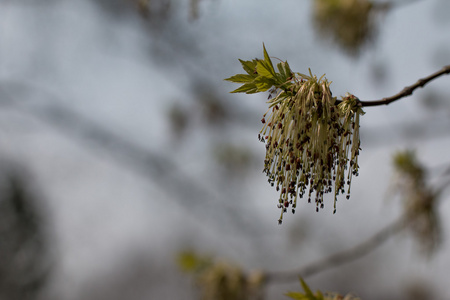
[311, 141]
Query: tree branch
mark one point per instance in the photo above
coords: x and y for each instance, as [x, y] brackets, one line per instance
[339, 258]
[407, 91]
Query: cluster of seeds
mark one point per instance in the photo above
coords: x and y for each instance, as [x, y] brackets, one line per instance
[312, 142]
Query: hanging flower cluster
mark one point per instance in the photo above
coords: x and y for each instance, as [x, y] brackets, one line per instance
[311, 142]
[312, 139]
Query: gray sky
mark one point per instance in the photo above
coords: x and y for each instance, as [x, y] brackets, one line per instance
[123, 76]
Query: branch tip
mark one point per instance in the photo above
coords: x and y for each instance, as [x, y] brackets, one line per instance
[407, 91]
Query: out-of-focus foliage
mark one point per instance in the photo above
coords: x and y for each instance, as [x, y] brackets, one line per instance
[312, 140]
[179, 119]
[24, 263]
[420, 200]
[433, 101]
[208, 107]
[189, 261]
[309, 295]
[212, 109]
[219, 280]
[194, 8]
[419, 289]
[349, 23]
[150, 8]
[236, 159]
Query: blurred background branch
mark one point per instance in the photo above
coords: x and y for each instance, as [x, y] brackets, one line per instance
[340, 258]
[25, 265]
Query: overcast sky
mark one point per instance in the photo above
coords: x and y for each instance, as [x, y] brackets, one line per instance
[117, 72]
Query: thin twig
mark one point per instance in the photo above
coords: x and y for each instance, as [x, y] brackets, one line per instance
[339, 258]
[407, 91]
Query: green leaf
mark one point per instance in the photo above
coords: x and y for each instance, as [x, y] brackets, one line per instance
[268, 61]
[319, 295]
[287, 69]
[263, 83]
[248, 88]
[241, 78]
[189, 261]
[264, 70]
[296, 296]
[281, 69]
[307, 290]
[307, 295]
[249, 66]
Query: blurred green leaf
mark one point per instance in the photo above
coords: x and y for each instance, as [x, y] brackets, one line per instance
[241, 78]
[296, 296]
[268, 62]
[189, 261]
[249, 66]
[287, 69]
[263, 83]
[307, 295]
[307, 290]
[282, 70]
[248, 88]
[264, 69]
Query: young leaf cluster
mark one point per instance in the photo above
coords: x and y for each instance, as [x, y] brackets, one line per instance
[312, 140]
[261, 75]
